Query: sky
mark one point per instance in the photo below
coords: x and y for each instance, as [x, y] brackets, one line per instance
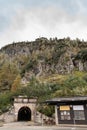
[26, 20]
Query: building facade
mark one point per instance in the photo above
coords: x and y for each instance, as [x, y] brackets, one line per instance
[71, 110]
[24, 108]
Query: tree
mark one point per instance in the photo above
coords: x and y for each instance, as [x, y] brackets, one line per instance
[16, 84]
[8, 73]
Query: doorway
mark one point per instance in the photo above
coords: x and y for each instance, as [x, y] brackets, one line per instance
[24, 114]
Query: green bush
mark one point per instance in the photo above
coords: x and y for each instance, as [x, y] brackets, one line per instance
[47, 110]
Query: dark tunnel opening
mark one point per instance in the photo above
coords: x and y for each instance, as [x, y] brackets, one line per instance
[24, 114]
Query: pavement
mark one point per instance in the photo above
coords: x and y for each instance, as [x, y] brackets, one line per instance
[71, 125]
[27, 126]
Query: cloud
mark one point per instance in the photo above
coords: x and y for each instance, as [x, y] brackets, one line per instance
[47, 21]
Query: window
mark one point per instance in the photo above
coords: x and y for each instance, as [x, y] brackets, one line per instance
[79, 115]
[79, 112]
[65, 115]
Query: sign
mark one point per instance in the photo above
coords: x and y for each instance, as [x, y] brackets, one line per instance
[78, 107]
[62, 108]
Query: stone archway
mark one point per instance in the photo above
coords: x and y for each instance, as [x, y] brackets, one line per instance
[24, 114]
[23, 105]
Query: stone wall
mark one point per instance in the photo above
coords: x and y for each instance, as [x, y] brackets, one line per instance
[20, 102]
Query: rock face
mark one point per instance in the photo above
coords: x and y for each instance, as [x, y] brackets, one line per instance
[43, 57]
[85, 66]
[81, 67]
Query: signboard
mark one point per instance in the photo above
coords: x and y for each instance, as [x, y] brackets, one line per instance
[62, 108]
[78, 107]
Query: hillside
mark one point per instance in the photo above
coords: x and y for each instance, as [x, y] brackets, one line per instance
[54, 67]
[42, 58]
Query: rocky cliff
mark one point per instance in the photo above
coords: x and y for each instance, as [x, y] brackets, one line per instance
[44, 57]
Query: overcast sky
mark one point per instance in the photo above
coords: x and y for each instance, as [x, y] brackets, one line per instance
[22, 20]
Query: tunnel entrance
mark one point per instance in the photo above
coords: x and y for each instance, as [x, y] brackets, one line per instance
[24, 114]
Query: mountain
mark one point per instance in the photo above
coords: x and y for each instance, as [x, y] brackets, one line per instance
[44, 68]
[41, 58]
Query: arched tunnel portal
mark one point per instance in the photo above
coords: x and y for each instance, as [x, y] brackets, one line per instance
[24, 114]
